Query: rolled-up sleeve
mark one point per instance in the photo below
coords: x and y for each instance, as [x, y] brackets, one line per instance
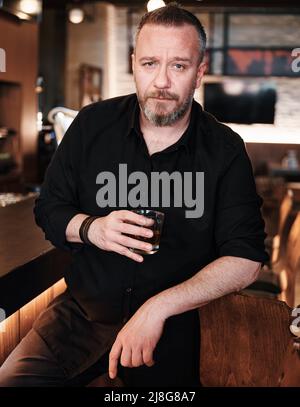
[239, 227]
[58, 201]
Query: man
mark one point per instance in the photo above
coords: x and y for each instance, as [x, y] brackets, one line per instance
[135, 315]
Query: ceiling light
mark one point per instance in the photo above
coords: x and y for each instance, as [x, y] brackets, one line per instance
[30, 6]
[154, 4]
[76, 15]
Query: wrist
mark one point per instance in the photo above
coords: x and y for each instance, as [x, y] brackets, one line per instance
[171, 302]
[72, 230]
[158, 307]
[84, 229]
[95, 231]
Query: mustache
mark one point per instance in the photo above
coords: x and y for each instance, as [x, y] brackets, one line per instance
[162, 94]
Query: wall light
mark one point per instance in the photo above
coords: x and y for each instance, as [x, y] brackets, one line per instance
[76, 15]
[154, 4]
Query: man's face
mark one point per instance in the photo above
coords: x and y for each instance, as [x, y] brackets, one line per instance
[166, 71]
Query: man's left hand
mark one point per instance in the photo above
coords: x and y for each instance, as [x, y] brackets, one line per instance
[137, 339]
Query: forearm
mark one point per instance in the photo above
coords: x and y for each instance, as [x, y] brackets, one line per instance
[221, 277]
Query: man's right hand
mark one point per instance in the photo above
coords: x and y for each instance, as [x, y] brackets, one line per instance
[109, 233]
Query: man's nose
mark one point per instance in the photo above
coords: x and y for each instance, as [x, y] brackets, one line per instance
[162, 80]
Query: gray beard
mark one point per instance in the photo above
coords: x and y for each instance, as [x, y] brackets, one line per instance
[161, 120]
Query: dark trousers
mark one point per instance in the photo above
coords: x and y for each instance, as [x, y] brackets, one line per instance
[64, 348]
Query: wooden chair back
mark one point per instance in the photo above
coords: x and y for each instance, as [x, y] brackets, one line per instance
[244, 340]
[291, 264]
[286, 218]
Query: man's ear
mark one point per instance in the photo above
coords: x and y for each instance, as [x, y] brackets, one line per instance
[200, 73]
[133, 62]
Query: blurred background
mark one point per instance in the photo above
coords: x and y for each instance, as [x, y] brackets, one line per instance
[70, 53]
[57, 56]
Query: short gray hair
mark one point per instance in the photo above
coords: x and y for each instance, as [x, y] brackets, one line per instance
[173, 15]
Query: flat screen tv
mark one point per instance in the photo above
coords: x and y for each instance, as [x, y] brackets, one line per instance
[240, 101]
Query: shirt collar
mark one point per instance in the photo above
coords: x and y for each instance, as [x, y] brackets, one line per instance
[185, 140]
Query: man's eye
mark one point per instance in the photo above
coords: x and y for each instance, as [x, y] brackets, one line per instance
[179, 67]
[148, 64]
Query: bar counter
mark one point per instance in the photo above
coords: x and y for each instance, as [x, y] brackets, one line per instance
[28, 263]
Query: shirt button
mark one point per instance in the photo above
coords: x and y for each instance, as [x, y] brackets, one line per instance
[128, 289]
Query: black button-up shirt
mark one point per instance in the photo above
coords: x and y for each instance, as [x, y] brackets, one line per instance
[110, 287]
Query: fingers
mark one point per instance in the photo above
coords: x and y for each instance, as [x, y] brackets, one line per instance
[126, 357]
[113, 359]
[124, 251]
[129, 216]
[148, 357]
[135, 230]
[137, 358]
[133, 243]
[115, 226]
